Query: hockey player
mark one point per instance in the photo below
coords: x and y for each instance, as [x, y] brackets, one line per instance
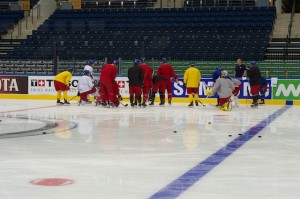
[85, 87]
[263, 90]
[147, 71]
[216, 75]
[167, 71]
[136, 78]
[61, 84]
[191, 79]
[159, 84]
[224, 87]
[255, 81]
[107, 79]
[89, 67]
[238, 85]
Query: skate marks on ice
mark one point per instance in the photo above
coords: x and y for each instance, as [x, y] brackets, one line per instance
[23, 126]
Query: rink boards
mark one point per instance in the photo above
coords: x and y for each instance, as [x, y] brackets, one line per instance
[280, 91]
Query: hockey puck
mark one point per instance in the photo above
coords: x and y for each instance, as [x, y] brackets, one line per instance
[259, 136]
[209, 122]
[240, 134]
[229, 135]
[174, 131]
[0, 120]
[44, 133]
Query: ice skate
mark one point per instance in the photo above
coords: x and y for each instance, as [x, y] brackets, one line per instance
[144, 105]
[254, 105]
[66, 102]
[169, 102]
[191, 105]
[58, 102]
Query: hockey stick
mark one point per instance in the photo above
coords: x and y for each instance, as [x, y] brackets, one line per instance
[201, 103]
[123, 104]
[72, 98]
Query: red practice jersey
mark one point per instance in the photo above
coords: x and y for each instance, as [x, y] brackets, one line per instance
[108, 73]
[147, 70]
[167, 71]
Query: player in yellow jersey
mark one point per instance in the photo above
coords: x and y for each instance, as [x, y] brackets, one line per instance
[191, 79]
[61, 84]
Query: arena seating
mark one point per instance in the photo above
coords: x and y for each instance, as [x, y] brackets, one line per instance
[221, 33]
[8, 19]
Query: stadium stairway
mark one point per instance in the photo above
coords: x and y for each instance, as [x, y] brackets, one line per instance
[296, 26]
[169, 4]
[281, 25]
[29, 23]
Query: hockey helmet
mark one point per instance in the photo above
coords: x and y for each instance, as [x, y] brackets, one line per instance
[218, 68]
[224, 73]
[70, 69]
[136, 61]
[253, 62]
[164, 59]
[91, 62]
[143, 59]
[86, 72]
[116, 62]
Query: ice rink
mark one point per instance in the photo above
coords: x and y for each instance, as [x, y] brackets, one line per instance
[87, 152]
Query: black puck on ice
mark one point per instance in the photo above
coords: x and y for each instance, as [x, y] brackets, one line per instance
[174, 131]
[259, 136]
[209, 122]
[44, 132]
[240, 134]
[229, 135]
[0, 120]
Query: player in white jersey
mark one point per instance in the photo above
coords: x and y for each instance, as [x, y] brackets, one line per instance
[85, 87]
[89, 67]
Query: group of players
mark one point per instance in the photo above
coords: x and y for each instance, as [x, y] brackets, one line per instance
[142, 81]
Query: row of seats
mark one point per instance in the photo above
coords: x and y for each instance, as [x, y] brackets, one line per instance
[57, 27]
[202, 14]
[95, 20]
[172, 10]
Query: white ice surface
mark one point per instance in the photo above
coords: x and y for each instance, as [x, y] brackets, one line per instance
[133, 153]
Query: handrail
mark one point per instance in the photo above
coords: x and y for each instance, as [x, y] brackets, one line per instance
[37, 8]
[288, 37]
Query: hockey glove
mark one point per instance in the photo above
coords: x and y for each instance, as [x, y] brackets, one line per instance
[209, 92]
[120, 97]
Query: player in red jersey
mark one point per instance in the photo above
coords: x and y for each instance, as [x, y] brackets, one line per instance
[167, 71]
[107, 79]
[147, 70]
